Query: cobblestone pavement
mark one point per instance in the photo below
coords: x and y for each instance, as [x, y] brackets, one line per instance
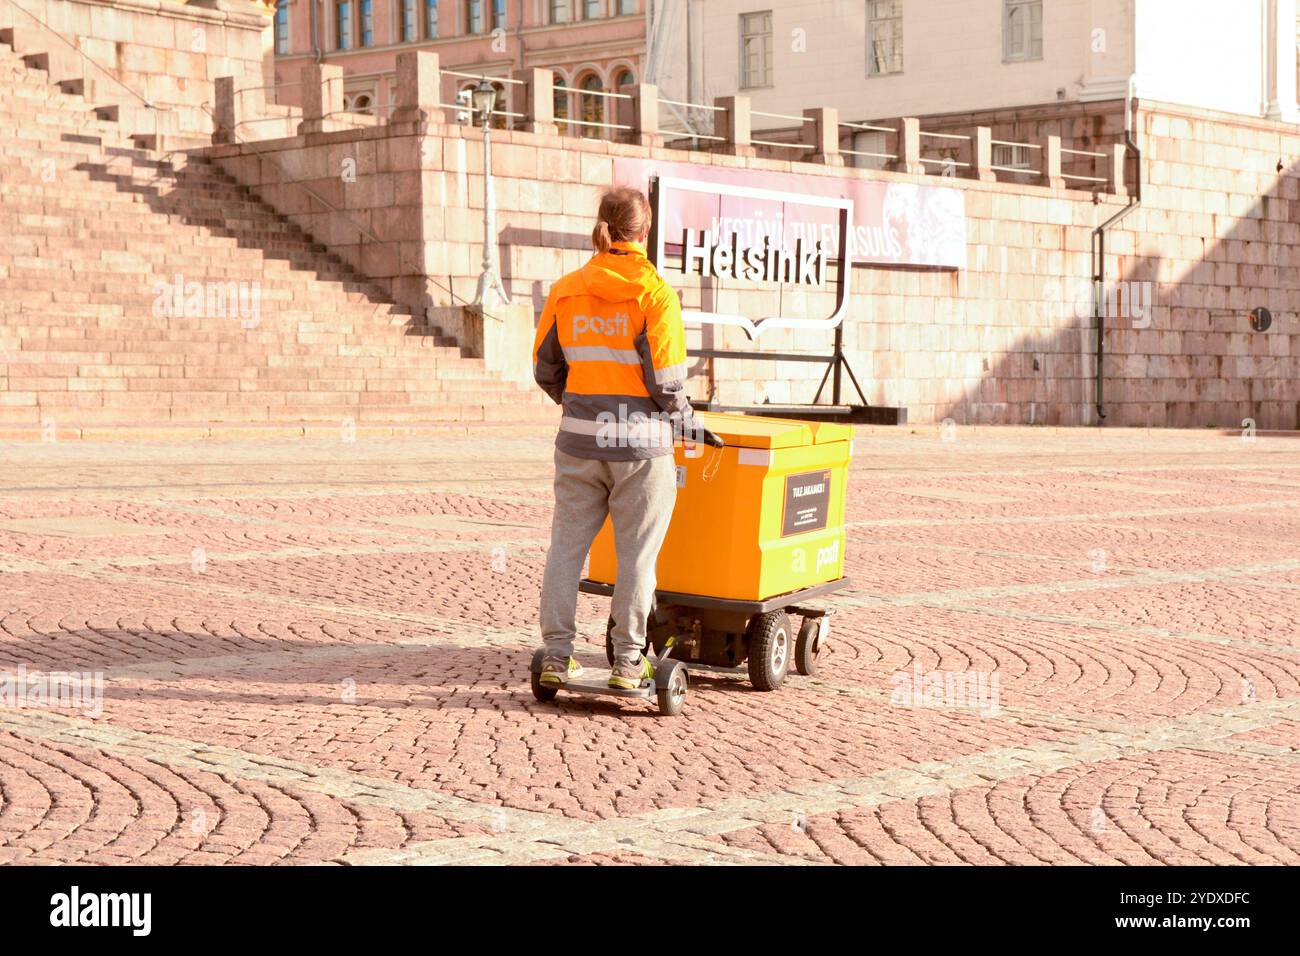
[316, 652]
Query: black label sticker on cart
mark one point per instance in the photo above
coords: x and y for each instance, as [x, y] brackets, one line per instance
[807, 502]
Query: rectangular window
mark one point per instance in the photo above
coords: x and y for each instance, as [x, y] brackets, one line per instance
[560, 11]
[591, 9]
[884, 37]
[410, 22]
[756, 49]
[367, 22]
[626, 8]
[1022, 30]
[282, 27]
[430, 19]
[474, 16]
[343, 25]
[1010, 156]
[498, 14]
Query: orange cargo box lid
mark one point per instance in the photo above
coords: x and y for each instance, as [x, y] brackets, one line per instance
[752, 431]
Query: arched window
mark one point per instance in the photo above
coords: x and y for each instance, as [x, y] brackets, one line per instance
[592, 106]
[624, 80]
[359, 103]
[559, 99]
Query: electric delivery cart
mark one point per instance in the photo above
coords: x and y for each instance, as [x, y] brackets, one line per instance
[757, 529]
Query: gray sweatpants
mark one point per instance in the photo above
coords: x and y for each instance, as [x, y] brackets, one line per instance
[639, 497]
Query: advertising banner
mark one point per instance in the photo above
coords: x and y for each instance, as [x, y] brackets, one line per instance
[894, 223]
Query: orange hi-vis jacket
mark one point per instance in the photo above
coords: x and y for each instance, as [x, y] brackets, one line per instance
[611, 349]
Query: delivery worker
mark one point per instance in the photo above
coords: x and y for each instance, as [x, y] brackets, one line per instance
[610, 349]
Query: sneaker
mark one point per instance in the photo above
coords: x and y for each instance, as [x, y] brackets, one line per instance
[556, 672]
[627, 676]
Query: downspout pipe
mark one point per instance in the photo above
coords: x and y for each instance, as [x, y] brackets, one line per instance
[1099, 251]
[314, 16]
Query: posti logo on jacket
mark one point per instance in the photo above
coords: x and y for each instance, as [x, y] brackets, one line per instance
[602, 325]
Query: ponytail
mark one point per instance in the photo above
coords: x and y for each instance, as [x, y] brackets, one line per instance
[624, 216]
[600, 239]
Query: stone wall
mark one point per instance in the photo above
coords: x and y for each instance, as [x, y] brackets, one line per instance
[1008, 339]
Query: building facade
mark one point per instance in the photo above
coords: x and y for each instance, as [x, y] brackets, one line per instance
[591, 45]
[874, 59]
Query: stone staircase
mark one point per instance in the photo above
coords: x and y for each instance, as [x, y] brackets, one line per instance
[96, 235]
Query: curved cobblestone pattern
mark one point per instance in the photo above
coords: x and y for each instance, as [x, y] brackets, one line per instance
[1109, 622]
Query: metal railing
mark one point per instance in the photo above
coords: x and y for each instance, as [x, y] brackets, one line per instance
[909, 148]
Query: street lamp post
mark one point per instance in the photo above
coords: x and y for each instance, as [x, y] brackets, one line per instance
[491, 291]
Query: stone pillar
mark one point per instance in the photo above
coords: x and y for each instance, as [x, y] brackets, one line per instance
[906, 146]
[1050, 156]
[980, 155]
[536, 100]
[823, 135]
[322, 97]
[1280, 79]
[225, 119]
[735, 125]
[641, 112]
[419, 88]
[1116, 158]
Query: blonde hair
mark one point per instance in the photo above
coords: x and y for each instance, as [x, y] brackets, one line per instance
[624, 216]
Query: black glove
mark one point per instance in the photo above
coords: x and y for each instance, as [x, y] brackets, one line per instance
[711, 439]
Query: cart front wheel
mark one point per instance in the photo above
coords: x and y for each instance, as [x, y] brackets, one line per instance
[809, 646]
[770, 647]
[543, 692]
[672, 691]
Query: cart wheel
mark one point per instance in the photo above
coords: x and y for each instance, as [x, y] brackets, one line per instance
[769, 649]
[671, 689]
[543, 692]
[808, 647]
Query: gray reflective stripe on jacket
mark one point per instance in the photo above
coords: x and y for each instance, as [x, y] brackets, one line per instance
[650, 434]
[614, 427]
[600, 353]
[667, 386]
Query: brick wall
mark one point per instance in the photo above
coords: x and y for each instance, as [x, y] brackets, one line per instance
[1008, 339]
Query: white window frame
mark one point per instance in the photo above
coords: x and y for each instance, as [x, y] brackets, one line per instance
[1027, 51]
[872, 21]
[1013, 156]
[766, 77]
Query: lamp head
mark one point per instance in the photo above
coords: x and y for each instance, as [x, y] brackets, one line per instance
[485, 100]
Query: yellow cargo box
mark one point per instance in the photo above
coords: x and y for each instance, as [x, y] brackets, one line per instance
[762, 517]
